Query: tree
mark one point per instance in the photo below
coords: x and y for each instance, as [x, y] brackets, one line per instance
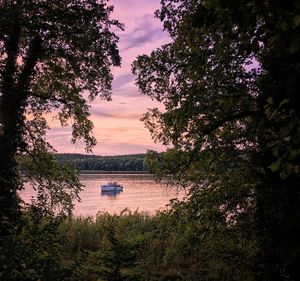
[54, 54]
[229, 84]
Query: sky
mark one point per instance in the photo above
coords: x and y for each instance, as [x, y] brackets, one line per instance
[117, 125]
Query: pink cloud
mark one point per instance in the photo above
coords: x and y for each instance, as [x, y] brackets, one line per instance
[118, 128]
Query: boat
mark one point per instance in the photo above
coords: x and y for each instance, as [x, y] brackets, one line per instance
[111, 186]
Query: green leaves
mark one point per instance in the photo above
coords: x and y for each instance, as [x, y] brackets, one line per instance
[229, 82]
[56, 185]
[54, 56]
[76, 51]
[275, 166]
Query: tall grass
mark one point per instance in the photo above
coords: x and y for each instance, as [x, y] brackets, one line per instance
[135, 246]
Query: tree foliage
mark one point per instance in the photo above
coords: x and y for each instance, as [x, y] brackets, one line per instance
[135, 246]
[54, 56]
[130, 163]
[229, 83]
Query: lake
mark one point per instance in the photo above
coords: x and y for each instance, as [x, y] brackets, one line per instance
[141, 192]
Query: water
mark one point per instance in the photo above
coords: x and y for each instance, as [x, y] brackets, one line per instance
[141, 193]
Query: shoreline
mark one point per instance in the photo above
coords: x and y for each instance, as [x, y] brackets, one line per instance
[100, 172]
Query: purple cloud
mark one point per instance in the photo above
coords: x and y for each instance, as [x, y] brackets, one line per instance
[146, 31]
[118, 129]
[120, 80]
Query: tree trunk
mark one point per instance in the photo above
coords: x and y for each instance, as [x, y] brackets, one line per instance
[278, 211]
[13, 102]
[9, 205]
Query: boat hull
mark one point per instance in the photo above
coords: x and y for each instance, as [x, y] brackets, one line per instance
[107, 188]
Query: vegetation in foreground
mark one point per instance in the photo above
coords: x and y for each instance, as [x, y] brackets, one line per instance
[171, 245]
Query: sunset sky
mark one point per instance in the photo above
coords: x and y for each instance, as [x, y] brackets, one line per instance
[118, 128]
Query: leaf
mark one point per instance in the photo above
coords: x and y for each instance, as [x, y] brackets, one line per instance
[285, 101]
[275, 151]
[270, 100]
[297, 20]
[275, 165]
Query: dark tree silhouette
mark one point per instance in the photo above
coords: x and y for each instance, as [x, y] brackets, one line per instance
[53, 56]
[230, 82]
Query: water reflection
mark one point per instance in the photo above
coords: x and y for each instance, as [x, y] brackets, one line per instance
[141, 193]
[113, 193]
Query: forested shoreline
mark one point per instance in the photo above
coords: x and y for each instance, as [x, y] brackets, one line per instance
[88, 163]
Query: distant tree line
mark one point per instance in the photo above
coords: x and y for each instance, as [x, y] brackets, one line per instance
[133, 162]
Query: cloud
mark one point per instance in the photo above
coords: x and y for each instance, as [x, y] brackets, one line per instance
[121, 147]
[121, 80]
[117, 125]
[146, 31]
[115, 114]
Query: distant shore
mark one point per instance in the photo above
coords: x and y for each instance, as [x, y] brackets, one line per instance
[112, 172]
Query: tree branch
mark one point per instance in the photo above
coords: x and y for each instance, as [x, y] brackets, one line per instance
[28, 71]
[12, 49]
[212, 128]
[229, 118]
[50, 98]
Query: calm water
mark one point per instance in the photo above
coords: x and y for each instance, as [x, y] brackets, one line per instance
[140, 193]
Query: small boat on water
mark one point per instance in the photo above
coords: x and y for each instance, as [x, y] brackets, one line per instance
[111, 186]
